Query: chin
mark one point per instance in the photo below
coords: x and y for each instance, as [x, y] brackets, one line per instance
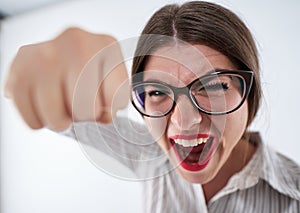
[193, 177]
[195, 174]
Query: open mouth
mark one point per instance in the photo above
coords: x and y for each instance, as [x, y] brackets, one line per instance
[193, 151]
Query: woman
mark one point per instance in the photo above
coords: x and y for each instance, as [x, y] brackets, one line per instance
[195, 80]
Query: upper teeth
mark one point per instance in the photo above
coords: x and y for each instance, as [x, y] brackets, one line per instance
[190, 143]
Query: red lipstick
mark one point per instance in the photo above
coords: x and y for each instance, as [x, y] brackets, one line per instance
[194, 157]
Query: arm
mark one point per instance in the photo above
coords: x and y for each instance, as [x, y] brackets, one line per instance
[55, 83]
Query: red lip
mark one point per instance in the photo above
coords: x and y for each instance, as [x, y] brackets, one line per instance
[194, 166]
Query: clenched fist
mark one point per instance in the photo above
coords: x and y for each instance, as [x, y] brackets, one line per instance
[63, 80]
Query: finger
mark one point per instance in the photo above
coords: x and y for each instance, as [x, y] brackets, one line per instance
[85, 93]
[114, 94]
[114, 89]
[51, 105]
[23, 100]
[12, 80]
[102, 112]
[7, 89]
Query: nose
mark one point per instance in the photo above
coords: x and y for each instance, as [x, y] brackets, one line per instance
[185, 116]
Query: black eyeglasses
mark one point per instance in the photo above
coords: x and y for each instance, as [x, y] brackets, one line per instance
[217, 93]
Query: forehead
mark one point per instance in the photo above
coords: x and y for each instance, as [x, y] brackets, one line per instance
[181, 64]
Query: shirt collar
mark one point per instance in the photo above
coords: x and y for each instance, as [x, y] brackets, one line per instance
[281, 173]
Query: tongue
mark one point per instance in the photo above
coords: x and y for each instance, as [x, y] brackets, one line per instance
[196, 154]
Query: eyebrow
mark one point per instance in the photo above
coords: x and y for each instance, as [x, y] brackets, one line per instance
[206, 73]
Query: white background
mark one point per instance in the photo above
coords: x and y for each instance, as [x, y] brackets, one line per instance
[44, 172]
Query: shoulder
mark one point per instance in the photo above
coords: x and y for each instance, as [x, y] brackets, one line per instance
[289, 165]
[281, 172]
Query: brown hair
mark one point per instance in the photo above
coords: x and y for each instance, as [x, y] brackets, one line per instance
[199, 22]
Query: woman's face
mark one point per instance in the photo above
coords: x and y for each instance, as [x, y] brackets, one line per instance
[197, 144]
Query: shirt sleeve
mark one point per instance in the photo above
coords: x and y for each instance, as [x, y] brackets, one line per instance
[123, 148]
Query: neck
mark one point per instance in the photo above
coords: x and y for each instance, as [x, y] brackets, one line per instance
[238, 159]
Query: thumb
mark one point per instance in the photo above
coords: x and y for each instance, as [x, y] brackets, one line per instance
[102, 88]
[114, 93]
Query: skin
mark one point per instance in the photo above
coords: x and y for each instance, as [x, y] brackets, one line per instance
[43, 78]
[48, 82]
[178, 66]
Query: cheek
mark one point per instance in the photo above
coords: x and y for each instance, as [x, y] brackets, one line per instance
[157, 127]
[233, 129]
[236, 123]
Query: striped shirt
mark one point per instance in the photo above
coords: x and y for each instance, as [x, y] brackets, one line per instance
[270, 182]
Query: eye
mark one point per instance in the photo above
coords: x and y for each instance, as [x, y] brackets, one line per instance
[158, 93]
[156, 90]
[215, 86]
[211, 89]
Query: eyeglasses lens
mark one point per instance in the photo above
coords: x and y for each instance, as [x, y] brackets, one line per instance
[212, 94]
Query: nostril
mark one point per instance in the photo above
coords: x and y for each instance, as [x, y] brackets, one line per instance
[184, 115]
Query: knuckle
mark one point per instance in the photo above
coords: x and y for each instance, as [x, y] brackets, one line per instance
[58, 127]
[71, 31]
[71, 35]
[58, 124]
[14, 86]
[23, 48]
[34, 125]
[109, 39]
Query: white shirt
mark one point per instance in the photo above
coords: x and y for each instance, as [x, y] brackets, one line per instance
[270, 182]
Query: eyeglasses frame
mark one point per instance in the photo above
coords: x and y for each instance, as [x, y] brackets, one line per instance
[247, 75]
